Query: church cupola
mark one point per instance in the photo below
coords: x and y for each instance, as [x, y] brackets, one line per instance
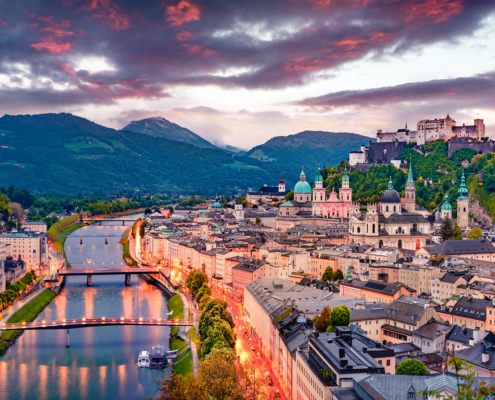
[446, 209]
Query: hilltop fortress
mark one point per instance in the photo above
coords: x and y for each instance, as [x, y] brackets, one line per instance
[390, 145]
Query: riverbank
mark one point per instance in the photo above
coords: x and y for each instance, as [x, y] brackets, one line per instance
[60, 241]
[185, 365]
[27, 313]
[131, 262]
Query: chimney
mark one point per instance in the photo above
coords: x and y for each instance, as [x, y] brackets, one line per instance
[284, 303]
[471, 341]
[469, 295]
[341, 353]
[485, 357]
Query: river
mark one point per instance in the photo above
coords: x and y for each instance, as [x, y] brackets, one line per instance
[101, 361]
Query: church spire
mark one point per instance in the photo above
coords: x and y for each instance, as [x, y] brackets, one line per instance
[390, 184]
[410, 176]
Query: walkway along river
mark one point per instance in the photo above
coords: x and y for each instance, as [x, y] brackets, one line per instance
[100, 362]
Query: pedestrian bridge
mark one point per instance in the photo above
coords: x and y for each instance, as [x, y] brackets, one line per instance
[109, 271]
[93, 322]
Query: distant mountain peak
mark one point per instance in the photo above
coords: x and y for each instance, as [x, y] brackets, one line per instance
[161, 127]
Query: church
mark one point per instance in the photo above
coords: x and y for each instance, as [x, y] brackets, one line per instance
[389, 223]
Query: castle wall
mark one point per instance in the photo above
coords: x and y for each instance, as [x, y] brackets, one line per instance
[384, 152]
[479, 147]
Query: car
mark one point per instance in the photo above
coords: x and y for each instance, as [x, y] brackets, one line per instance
[253, 348]
[269, 380]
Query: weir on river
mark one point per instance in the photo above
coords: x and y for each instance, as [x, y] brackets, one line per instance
[100, 362]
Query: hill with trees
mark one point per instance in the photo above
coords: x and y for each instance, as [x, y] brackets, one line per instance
[65, 153]
[309, 148]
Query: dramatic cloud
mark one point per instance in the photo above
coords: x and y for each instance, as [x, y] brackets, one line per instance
[475, 91]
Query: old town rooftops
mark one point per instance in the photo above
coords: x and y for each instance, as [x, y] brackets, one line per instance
[470, 308]
[454, 247]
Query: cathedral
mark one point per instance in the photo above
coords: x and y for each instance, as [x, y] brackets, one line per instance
[390, 223]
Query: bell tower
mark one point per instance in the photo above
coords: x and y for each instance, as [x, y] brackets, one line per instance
[319, 195]
[410, 191]
[463, 204]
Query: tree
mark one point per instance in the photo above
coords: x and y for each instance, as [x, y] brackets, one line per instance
[322, 321]
[260, 201]
[411, 367]
[475, 233]
[147, 211]
[219, 378]
[289, 196]
[195, 280]
[446, 231]
[340, 316]
[5, 215]
[17, 211]
[328, 274]
[258, 220]
[457, 233]
[203, 290]
[337, 275]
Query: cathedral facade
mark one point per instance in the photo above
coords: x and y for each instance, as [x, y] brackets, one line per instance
[389, 224]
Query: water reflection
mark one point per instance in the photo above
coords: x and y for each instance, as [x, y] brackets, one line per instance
[101, 362]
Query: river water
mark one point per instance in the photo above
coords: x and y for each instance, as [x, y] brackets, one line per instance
[101, 361]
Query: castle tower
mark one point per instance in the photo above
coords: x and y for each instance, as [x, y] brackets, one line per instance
[372, 225]
[238, 208]
[410, 191]
[480, 128]
[446, 209]
[318, 193]
[281, 184]
[463, 204]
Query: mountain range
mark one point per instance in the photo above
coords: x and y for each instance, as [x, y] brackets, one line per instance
[66, 153]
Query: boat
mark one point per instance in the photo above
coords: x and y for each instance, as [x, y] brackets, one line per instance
[157, 357]
[143, 359]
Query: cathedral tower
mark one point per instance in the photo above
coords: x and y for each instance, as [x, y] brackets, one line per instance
[410, 191]
[319, 195]
[281, 185]
[446, 209]
[463, 204]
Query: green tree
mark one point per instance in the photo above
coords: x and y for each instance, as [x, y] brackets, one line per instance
[147, 211]
[337, 275]
[475, 233]
[328, 274]
[195, 280]
[203, 291]
[446, 231]
[340, 316]
[322, 321]
[260, 201]
[411, 367]
[289, 196]
[457, 233]
[258, 220]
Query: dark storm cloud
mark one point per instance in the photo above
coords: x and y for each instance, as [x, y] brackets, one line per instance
[154, 45]
[475, 91]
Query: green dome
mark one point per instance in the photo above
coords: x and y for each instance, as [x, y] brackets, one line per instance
[302, 187]
[345, 178]
[216, 204]
[319, 176]
[463, 191]
[446, 205]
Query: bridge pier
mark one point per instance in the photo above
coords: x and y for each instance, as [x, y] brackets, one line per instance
[67, 338]
[106, 240]
[100, 223]
[123, 223]
[81, 241]
[128, 279]
[89, 280]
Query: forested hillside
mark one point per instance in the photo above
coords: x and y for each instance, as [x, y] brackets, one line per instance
[65, 153]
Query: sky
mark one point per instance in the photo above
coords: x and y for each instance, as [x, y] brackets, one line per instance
[242, 72]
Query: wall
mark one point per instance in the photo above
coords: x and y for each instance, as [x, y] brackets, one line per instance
[479, 147]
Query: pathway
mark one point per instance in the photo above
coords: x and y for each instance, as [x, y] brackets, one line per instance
[183, 331]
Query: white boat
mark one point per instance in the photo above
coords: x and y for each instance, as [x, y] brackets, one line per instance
[144, 359]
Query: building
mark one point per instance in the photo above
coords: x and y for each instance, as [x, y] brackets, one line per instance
[463, 338]
[467, 312]
[463, 205]
[302, 199]
[268, 193]
[37, 226]
[478, 249]
[332, 206]
[389, 224]
[12, 270]
[32, 247]
[448, 286]
[481, 356]
[431, 337]
[402, 135]
[404, 387]
[333, 359]
[383, 292]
